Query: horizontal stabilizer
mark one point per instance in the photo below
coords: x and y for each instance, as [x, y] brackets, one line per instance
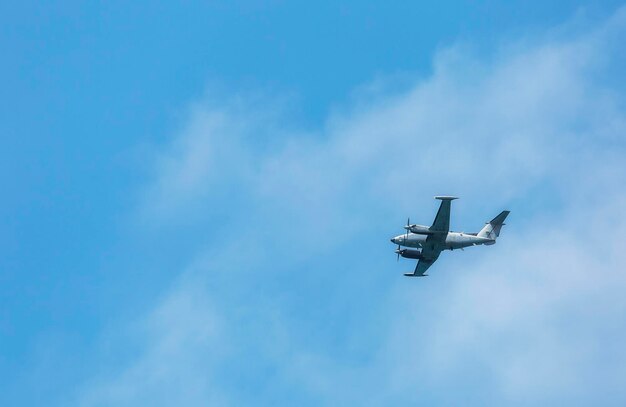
[415, 275]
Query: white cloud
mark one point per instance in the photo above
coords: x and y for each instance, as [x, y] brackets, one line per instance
[168, 370]
[535, 319]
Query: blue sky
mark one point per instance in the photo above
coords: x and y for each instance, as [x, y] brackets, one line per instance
[197, 201]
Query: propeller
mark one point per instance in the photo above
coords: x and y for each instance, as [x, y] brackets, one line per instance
[406, 237]
[408, 226]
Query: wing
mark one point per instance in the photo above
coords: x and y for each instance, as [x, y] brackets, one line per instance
[435, 243]
[420, 268]
[442, 220]
[431, 250]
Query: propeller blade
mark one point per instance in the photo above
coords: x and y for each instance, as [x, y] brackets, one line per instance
[398, 253]
[408, 226]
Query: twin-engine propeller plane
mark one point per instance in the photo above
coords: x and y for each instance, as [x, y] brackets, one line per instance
[431, 241]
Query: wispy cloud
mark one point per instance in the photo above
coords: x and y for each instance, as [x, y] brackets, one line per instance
[168, 369]
[296, 308]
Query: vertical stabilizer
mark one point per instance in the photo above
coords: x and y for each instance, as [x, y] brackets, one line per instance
[492, 229]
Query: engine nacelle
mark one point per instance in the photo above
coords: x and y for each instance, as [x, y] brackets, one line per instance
[410, 254]
[420, 230]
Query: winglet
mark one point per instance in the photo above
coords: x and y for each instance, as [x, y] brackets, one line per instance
[446, 198]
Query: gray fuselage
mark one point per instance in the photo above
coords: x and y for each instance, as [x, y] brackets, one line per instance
[454, 240]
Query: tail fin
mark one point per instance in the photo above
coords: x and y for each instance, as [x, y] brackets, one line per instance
[492, 229]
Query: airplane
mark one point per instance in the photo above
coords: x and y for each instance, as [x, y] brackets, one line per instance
[431, 241]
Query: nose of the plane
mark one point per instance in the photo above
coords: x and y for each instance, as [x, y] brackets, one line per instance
[393, 240]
